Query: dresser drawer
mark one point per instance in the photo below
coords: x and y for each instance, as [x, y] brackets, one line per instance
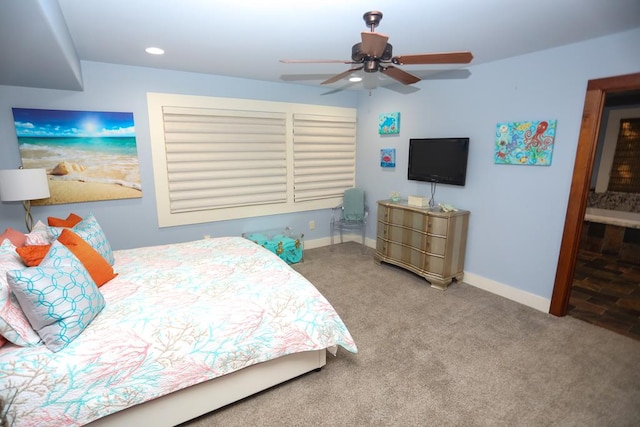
[434, 265]
[403, 235]
[436, 245]
[404, 217]
[437, 225]
[404, 254]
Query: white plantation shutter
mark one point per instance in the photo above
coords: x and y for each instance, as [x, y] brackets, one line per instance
[222, 158]
[324, 156]
[225, 158]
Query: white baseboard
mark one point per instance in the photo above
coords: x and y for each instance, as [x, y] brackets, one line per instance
[326, 241]
[509, 292]
[316, 243]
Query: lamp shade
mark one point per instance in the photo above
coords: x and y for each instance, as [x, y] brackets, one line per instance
[23, 184]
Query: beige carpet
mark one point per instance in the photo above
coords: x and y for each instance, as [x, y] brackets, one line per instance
[462, 357]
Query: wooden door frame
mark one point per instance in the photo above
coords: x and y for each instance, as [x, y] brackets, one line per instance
[582, 169]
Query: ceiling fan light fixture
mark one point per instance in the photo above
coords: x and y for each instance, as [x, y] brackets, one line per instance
[355, 79]
[154, 51]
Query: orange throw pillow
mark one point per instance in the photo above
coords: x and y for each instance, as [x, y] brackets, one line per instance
[69, 222]
[32, 255]
[99, 269]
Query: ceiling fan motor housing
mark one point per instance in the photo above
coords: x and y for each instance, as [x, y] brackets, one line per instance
[371, 66]
[357, 55]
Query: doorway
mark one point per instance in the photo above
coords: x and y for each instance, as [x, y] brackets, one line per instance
[597, 90]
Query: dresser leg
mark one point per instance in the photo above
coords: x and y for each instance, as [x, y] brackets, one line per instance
[439, 284]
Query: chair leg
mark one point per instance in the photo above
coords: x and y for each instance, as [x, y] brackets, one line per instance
[331, 230]
[364, 248]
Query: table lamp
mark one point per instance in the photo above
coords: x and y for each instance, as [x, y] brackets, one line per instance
[24, 185]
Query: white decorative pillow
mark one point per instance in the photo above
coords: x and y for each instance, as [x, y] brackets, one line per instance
[14, 326]
[58, 297]
[91, 232]
[38, 235]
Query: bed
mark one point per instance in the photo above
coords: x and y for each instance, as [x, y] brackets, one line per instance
[186, 328]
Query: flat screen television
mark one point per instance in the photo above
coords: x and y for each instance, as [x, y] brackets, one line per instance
[439, 160]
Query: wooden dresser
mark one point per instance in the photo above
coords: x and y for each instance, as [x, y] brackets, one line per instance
[425, 241]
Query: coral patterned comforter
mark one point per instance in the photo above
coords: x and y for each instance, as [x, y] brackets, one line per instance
[176, 315]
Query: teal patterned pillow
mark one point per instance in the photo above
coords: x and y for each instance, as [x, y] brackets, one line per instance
[14, 326]
[58, 297]
[91, 232]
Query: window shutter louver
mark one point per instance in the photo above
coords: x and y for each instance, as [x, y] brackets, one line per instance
[224, 158]
[323, 156]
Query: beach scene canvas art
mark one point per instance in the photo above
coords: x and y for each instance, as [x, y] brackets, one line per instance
[88, 155]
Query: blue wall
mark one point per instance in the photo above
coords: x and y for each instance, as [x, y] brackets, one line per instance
[133, 222]
[517, 212]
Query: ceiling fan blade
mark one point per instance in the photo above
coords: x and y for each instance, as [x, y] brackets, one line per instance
[399, 75]
[340, 76]
[435, 58]
[315, 61]
[373, 44]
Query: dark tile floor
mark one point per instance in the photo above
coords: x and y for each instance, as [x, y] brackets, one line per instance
[606, 292]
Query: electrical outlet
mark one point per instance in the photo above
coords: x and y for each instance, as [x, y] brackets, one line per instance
[207, 236]
[312, 225]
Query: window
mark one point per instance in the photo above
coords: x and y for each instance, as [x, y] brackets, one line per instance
[324, 156]
[625, 172]
[619, 142]
[221, 158]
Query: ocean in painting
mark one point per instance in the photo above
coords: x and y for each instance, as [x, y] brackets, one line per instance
[108, 160]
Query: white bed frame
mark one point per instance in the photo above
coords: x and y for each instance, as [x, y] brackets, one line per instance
[191, 402]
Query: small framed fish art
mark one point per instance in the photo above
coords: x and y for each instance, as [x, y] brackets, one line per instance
[389, 123]
[388, 157]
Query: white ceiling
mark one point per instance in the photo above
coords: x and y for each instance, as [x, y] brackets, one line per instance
[43, 41]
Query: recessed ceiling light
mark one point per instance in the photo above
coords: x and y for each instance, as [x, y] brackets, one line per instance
[355, 79]
[154, 51]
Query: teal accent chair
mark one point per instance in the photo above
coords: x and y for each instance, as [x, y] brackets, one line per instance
[351, 216]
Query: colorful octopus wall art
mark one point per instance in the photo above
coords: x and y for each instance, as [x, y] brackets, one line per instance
[525, 143]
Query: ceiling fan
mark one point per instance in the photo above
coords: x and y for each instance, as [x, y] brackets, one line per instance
[374, 54]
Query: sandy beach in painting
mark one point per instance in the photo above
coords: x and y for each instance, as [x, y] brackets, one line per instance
[84, 169]
[78, 191]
